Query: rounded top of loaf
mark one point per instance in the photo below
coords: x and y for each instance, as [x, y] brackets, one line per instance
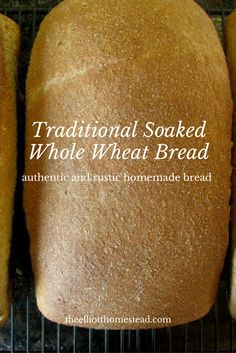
[10, 32]
[11, 35]
[93, 36]
[8, 24]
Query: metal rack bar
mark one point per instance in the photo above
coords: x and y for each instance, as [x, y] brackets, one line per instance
[27, 324]
[74, 338]
[154, 341]
[58, 338]
[26, 10]
[42, 334]
[122, 341]
[45, 10]
[106, 341]
[201, 336]
[170, 339]
[34, 22]
[90, 340]
[216, 328]
[12, 329]
[138, 348]
[129, 341]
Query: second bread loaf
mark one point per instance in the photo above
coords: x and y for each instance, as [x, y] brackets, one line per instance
[9, 50]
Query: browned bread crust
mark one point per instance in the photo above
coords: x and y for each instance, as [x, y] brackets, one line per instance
[128, 249]
[230, 35]
[9, 48]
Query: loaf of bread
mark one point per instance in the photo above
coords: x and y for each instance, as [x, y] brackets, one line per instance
[9, 47]
[126, 254]
[230, 36]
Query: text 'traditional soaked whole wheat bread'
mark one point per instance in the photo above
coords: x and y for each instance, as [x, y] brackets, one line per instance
[118, 249]
[230, 33]
[9, 48]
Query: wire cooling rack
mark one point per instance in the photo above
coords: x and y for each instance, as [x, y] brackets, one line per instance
[27, 330]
